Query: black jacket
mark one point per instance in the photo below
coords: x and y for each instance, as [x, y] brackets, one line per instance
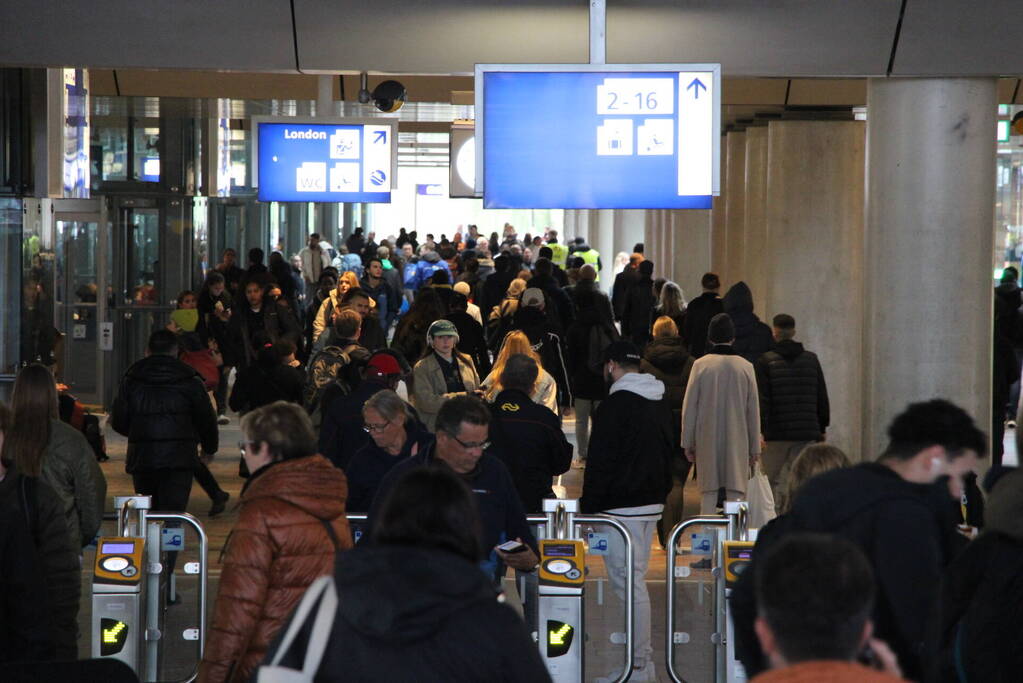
[501, 515]
[623, 284]
[278, 321]
[638, 310]
[548, 343]
[907, 532]
[341, 432]
[631, 449]
[259, 385]
[370, 465]
[163, 409]
[527, 437]
[40, 582]
[563, 311]
[752, 337]
[471, 340]
[667, 359]
[698, 316]
[793, 396]
[409, 614]
[586, 383]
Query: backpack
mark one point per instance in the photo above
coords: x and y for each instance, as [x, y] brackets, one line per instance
[330, 366]
[600, 337]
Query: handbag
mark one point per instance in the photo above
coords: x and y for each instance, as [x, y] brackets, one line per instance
[761, 500]
[318, 607]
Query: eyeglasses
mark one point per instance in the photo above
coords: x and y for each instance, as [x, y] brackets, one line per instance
[483, 445]
[375, 429]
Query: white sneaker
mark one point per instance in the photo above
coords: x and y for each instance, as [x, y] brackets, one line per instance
[223, 420]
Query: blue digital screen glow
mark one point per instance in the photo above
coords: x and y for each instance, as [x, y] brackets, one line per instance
[596, 140]
[302, 161]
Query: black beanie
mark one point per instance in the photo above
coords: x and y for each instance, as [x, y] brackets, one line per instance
[721, 329]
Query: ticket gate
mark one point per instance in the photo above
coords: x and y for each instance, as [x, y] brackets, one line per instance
[131, 581]
[560, 606]
[731, 553]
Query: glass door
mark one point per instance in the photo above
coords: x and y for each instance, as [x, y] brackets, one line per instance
[81, 284]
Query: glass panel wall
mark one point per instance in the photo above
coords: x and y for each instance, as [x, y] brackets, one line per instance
[10, 285]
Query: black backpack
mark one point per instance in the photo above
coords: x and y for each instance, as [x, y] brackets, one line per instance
[332, 365]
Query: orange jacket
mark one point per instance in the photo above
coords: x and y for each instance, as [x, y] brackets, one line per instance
[278, 547]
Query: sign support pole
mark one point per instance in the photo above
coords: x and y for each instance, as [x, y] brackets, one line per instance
[598, 31]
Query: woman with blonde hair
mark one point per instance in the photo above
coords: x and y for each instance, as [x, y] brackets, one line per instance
[500, 319]
[545, 390]
[815, 459]
[325, 315]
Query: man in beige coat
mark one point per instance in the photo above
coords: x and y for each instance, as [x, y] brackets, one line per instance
[721, 418]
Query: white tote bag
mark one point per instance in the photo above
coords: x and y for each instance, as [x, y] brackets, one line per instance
[321, 590]
[761, 500]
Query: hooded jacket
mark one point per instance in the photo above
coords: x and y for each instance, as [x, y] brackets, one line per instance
[536, 325]
[793, 396]
[981, 595]
[278, 547]
[163, 409]
[410, 614]
[593, 310]
[698, 315]
[429, 263]
[629, 461]
[752, 337]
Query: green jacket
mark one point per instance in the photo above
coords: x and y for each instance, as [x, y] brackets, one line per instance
[70, 468]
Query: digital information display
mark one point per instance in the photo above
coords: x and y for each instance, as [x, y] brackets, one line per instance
[600, 137]
[117, 548]
[325, 160]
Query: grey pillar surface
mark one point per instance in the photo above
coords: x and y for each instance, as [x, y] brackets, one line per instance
[629, 228]
[718, 211]
[735, 211]
[814, 260]
[602, 233]
[930, 204]
[691, 248]
[756, 245]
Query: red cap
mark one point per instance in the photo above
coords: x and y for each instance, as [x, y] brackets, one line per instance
[385, 363]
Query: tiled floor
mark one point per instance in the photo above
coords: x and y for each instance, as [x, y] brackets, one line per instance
[604, 611]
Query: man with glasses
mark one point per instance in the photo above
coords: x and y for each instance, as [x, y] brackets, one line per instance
[462, 433]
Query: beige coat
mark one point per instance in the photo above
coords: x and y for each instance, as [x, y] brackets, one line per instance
[430, 390]
[721, 421]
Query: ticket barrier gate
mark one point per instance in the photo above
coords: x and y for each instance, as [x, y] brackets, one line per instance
[130, 587]
[730, 555]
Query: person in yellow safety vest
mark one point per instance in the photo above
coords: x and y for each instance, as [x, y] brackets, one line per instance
[559, 252]
[588, 254]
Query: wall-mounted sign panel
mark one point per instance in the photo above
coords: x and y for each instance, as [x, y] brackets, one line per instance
[325, 160]
[462, 155]
[610, 136]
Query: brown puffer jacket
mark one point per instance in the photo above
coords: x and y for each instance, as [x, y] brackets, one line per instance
[278, 547]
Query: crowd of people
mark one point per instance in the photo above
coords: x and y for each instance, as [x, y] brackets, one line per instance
[426, 385]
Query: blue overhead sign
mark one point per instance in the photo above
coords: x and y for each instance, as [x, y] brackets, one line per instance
[313, 160]
[598, 137]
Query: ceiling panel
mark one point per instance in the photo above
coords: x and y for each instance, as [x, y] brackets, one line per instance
[960, 37]
[252, 35]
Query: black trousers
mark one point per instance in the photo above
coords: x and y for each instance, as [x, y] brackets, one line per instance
[169, 488]
[206, 480]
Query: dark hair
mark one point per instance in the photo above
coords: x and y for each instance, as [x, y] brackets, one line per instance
[543, 266]
[375, 258]
[425, 308]
[637, 248]
[545, 252]
[458, 409]
[430, 507]
[255, 255]
[784, 321]
[347, 323]
[354, 293]
[284, 348]
[184, 293]
[315, 235]
[710, 281]
[214, 277]
[520, 373]
[332, 271]
[458, 302]
[934, 423]
[5, 417]
[816, 593]
[163, 343]
[440, 277]
[646, 268]
[33, 408]
[266, 354]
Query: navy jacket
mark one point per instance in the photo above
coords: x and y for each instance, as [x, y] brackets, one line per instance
[528, 439]
[500, 509]
[370, 465]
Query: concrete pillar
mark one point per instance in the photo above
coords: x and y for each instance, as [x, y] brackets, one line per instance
[629, 229]
[814, 260]
[568, 228]
[718, 233]
[735, 209]
[691, 248]
[652, 236]
[667, 261]
[756, 247]
[602, 234]
[929, 230]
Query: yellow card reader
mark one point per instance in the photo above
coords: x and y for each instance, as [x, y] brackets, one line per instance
[118, 561]
[738, 555]
[562, 563]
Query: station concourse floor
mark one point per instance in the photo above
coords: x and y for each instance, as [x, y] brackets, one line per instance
[225, 468]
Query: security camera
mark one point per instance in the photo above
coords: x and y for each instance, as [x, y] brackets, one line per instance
[389, 96]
